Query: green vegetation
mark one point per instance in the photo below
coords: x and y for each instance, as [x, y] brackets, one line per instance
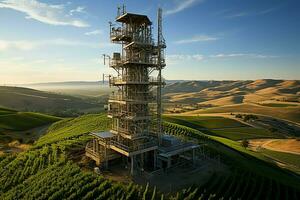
[73, 128]
[18, 121]
[204, 122]
[244, 133]
[290, 159]
[223, 127]
[25, 99]
[48, 171]
[252, 174]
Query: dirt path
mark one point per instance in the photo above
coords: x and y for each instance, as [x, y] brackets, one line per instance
[281, 145]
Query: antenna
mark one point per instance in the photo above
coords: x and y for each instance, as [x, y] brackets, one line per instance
[119, 9]
[124, 9]
[105, 76]
[106, 57]
[159, 60]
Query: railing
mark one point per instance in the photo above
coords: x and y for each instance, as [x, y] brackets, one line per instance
[138, 97]
[129, 115]
[133, 148]
[90, 150]
[119, 33]
[116, 62]
[131, 133]
[135, 80]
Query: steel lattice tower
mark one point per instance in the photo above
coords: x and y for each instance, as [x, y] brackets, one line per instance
[135, 109]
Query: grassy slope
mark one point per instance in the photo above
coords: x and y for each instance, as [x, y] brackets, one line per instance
[220, 126]
[244, 133]
[73, 128]
[46, 171]
[19, 121]
[292, 160]
[25, 99]
[287, 113]
[253, 160]
[205, 121]
[251, 171]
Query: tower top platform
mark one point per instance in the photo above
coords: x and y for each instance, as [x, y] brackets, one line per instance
[133, 18]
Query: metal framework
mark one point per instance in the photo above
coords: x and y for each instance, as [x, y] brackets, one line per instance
[135, 108]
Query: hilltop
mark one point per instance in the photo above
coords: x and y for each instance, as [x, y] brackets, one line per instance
[233, 92]
[26, 99]
[276, 98]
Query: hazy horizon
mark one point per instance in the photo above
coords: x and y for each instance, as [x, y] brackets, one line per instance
[223, 40]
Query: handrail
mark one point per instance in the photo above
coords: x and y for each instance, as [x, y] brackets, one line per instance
[147, 96]
[124, 32]
[114, 62]
[135, 79]
[133, 148]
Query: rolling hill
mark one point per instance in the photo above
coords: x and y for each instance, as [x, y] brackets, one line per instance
[51, 169]
[219, 93]
[19, 121]
[25, 127]
[286, 113]
[25, 99]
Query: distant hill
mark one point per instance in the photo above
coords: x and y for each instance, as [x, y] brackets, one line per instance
[25, 99]
[219, 93]
[23, 126]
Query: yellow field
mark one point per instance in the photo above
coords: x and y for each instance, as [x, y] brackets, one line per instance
[286, 113]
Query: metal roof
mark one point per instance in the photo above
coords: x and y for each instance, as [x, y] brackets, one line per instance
[104, 135]
[134, 18]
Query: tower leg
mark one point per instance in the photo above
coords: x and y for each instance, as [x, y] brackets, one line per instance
[193, 156]
[131, 169]
[154, 159]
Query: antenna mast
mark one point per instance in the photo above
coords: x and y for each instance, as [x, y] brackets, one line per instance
[160, 46]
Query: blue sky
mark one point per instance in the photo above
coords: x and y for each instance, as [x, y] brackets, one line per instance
[53, 40]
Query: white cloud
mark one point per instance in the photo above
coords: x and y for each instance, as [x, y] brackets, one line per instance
[79, 9]
[182, 5]
[252, 55]
[43, 12]
[197, 38]
[20, 44]
[184, 57]
[240, 14]
[30, 45]
[244, 14]
[95, 32]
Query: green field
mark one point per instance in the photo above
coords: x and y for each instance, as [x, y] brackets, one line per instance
[206, 122]
[223, 127]
[252, 173]
[74, 128]
[19, 121]
[292, 160]
[58, 104]
[48, 171]
[244, 133]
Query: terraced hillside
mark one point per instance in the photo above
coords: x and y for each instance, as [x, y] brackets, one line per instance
[253, 176]
[48, 171]
[53, 169]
